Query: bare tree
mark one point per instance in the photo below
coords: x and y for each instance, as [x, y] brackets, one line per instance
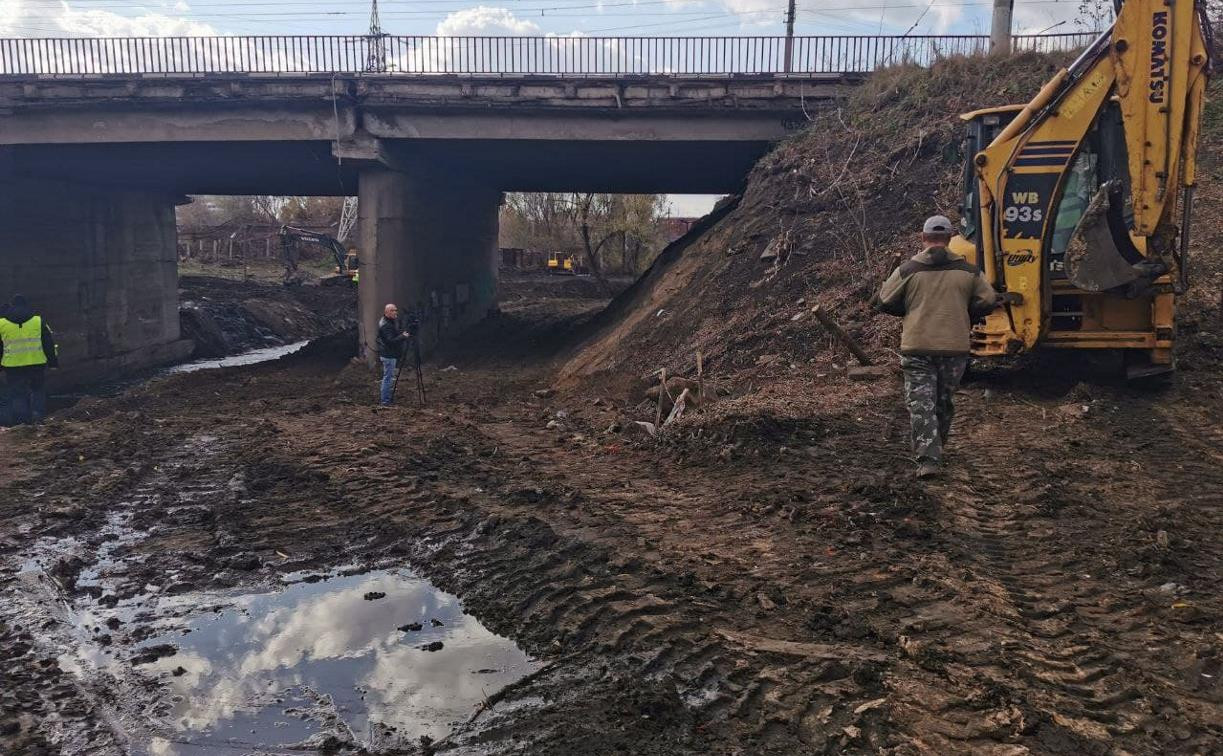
[614, 232]
[1094, 15]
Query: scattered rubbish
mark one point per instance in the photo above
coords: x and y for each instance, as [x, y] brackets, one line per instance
[545, 393]
[649, 428]
[448, 369]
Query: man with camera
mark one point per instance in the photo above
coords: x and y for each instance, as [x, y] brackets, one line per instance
[391, 343]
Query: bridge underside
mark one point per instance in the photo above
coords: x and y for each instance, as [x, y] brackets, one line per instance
[429, 158]
[310, 168]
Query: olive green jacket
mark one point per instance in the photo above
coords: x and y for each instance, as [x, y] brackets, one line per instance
[939, 294]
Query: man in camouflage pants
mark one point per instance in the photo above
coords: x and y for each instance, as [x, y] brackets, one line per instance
[939, 294]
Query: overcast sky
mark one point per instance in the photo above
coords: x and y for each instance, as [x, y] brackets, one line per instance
[53, 18]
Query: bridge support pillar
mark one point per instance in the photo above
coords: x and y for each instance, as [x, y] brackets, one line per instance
[101, 264]
[429, 244]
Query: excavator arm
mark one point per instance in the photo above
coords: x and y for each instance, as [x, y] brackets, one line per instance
[1077, 194]
[290, 233]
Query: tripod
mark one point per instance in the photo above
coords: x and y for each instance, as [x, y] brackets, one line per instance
[420, 380]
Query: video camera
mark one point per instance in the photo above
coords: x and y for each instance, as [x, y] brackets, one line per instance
[411, 324]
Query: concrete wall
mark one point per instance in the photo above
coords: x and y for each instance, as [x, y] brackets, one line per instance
[430, 246]
[100, 265]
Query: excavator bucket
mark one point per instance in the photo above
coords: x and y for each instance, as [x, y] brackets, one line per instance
[1093, 262]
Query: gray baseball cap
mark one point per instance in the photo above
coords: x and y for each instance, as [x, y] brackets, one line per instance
[938, 224]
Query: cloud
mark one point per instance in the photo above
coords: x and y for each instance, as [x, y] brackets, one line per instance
[484, 21]
[20, 18]
[834, 17]
[1094, 15]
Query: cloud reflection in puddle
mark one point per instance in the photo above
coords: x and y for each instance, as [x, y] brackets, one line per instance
[320, 658]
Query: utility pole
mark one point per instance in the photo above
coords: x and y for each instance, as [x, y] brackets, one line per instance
[789, 36]
[1000, 31]
[376, 62]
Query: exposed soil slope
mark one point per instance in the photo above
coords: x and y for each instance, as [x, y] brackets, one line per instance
[831, 209]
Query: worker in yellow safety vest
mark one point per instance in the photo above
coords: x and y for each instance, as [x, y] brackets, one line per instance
[27, 348]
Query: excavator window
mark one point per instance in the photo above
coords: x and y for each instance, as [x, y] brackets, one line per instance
[1081, 184]
[982, 128]
[1101, 158]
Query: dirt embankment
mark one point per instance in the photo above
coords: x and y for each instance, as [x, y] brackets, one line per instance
[225, 317]
[824, 218]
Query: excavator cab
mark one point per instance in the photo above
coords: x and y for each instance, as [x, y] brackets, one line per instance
[981, 127]
[351, 263]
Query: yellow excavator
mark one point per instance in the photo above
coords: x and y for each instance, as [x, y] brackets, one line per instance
[1077, 204]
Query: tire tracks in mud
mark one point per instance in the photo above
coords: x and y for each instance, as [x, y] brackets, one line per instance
[588, 568]
[1076, 638]
[746, 667]
[763, 605]
[80, 698]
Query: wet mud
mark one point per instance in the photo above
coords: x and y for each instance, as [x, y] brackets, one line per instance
[757, 582]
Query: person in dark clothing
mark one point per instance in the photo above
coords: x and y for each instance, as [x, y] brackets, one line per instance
[391, 343]
[27, 349]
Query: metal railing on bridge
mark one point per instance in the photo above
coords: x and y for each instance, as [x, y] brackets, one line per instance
[491, 56]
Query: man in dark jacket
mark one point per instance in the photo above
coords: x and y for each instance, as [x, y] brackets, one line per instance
[391, 342]
[939, 294]
[27, 348]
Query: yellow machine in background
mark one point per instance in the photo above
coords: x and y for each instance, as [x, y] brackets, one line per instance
[560, 262]
[351, 263]
[1071, 200]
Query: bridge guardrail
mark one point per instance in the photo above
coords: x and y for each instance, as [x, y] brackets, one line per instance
[491, 56]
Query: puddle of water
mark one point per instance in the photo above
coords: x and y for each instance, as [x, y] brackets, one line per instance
[246, 358]
[283, 670]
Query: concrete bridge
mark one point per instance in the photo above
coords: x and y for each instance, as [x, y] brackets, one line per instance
[99, 139]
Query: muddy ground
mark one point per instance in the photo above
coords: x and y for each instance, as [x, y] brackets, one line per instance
[225, 316]
[765, 579]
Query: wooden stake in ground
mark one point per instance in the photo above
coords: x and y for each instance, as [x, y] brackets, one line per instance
[677, 411]
[700, 378]
[662, 391]
[839, 333]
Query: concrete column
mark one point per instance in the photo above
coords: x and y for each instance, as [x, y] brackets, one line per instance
[101, 264]
[429, 244]
[1000, 27]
